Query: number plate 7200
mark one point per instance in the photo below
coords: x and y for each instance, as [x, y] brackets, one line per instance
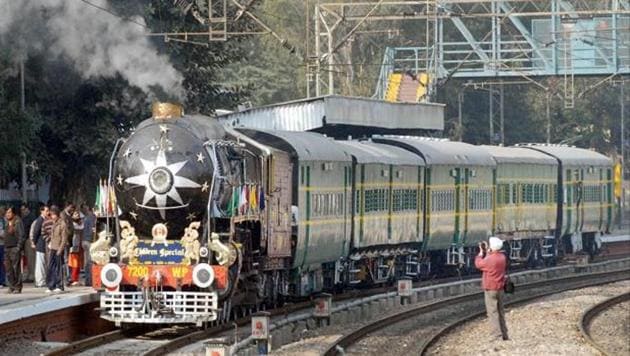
[138, 271]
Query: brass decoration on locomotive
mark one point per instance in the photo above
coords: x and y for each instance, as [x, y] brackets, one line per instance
[191, 243]
[99, 249]
[128, 242]
[223, 253]
[165, 111]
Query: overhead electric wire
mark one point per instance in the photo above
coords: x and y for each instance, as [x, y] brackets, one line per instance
[114, 14]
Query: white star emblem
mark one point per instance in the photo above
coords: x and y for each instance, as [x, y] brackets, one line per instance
[191, 217]
[178, 182]
[119, 179]
[200, 157]
[204, 187]
[134, 215]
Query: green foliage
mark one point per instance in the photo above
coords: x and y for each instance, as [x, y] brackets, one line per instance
[269, 70]
[199, 64]
[71, 123]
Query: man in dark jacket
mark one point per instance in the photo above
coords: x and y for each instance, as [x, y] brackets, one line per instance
[66, 215]
[58, 243]
[27, 221]
[13, 247]
[89, 222]
[38, 243]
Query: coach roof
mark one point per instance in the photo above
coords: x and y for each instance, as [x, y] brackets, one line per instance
[441, 151]
[572, 156]
[370, 152]
[306, 145]
[519, 155]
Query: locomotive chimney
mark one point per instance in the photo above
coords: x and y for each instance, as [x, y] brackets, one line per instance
[165, 111]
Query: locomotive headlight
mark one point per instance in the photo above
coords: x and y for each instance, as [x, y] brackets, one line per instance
[111, 275]
[203, 275]
[161, 180]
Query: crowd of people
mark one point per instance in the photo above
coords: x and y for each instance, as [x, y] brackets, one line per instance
[50, 249]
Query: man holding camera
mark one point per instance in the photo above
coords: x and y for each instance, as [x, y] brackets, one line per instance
[492, 262]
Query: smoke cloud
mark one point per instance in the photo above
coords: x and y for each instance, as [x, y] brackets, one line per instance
[97, 43]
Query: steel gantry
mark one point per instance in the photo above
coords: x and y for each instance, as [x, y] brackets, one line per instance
[515, 39]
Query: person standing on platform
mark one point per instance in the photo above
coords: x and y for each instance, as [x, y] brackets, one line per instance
[89, 228]
[493, 264]
[66, 215]
[38, 242]
[47, 233]
[57, 245]
[2, 230]
[76, 251]
[29, 252]
[13, 248]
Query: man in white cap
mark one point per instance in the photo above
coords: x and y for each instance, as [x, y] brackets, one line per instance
[493, 265]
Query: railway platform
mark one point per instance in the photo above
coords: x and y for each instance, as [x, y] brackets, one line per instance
[40, 316]
[33, 301]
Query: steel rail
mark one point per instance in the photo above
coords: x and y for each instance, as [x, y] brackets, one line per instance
[179, 342]
[444, 331]
[197, 336]
[574, 282]
[92, 342]
[591, 313]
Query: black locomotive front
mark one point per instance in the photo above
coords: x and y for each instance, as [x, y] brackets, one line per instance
[161, 267]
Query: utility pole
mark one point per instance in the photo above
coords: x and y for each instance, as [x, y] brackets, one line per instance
[460, 125]
[548, 118]
[306, 52]
[22, 109]
[501, 114]
[490, 112]
[623, 158]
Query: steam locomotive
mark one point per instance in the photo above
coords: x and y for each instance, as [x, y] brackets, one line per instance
[213, 218]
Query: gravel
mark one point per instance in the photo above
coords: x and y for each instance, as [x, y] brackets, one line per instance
[548, 326]
[28, 347]
[611, 329]
[315, 340]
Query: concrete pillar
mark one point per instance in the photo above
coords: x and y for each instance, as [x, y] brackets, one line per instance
[422, 296]
[383, 304]
[413, 299]
[392, 302]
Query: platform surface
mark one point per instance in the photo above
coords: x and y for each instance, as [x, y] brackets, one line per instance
[615, 238]
[33, 301]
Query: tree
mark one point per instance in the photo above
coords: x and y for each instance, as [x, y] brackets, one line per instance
[73, 122]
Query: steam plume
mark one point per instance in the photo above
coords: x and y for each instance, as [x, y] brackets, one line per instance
[96, 42]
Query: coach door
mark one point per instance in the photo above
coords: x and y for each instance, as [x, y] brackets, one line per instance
[278, 205]
[460, 205]
[579, 198]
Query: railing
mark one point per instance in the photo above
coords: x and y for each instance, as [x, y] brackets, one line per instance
[386, 69]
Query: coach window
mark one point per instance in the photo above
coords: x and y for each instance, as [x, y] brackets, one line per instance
[513, 197]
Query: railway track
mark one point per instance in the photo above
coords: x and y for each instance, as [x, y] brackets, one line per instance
[593, 312]
[176, 338]
[171, 340]
[434, 320]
